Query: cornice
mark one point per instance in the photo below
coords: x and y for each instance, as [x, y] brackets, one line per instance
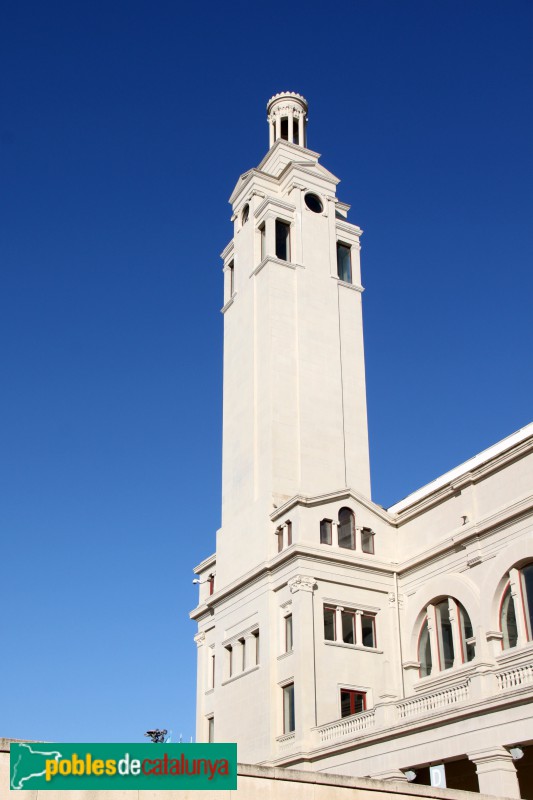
[274, 260]
[208, 562]
[246, 179]
[472, 472]
[273, 201]
[355, 287]
[331, 497]
[229, 303]
[348, 227]
[227, 250]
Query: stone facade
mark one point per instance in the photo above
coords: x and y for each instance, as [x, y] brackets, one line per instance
[336, 635]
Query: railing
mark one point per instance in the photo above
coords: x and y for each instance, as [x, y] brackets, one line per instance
[515, 677]
[358, 723]
[437, 701]
[286, 741]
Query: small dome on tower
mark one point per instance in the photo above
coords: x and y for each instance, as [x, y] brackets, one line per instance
[287, 118]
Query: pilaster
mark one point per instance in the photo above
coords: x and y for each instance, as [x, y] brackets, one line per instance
[496, 772]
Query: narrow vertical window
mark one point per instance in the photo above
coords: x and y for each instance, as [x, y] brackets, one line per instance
[210, 729]
[288, 633]
[285, 128]
[348, 627]
[289, 533]
[282, 240]
[368, 630]
[242, 643]
[245, 214]
[367, 541]
[346, 529]
[288, 708]
[231, 271]
[344, 262]
[212, 672]
[424, 651]
[508, 620]
[262, 231]
[255, 634]
[229, 651]
[352, 702]
[325, 531]
[211, 581]
[279, 534]
[526, 584]
[329, 624]
[444, 634]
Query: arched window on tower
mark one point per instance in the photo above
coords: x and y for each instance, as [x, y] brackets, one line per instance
[346, 528]
[452, 642]
[516, 608]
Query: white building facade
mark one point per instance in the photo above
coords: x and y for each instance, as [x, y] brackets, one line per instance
[335, 635]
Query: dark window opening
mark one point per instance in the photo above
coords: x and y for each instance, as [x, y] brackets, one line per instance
[289, 533]
[314, 203]
[344, 262]
[346, 529]
[288, 633]
[282, 240]
[352, 702]
[368, 631]
[325, 531]
[288, 708]
[284, 128]
[329, 624]
[348, 627]
[367, 541]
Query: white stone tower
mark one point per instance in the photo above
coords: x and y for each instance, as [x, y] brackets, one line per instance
[294, 381]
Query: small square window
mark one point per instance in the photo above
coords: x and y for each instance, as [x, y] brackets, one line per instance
[352, 702]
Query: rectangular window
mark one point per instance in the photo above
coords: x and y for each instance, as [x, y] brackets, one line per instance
[229, 657]
[368, 630]
[288, 633]
[289, 533]
[211, 580]
[288, 708]
[262, 231]
[210, 729]
[348, 627]
[329, 624]
[212, 672]
[242, 643]
[344, 262]
[283, 240]
[352, 702]
[231, 266]
[325, 531]
[367, 541]
[255, 634]
[279, 534]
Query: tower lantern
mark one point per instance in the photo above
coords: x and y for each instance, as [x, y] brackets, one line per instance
[287, 118]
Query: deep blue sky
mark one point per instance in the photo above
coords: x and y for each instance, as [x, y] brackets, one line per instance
[123, 129]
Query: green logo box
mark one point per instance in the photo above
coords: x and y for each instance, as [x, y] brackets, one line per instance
[38, 765]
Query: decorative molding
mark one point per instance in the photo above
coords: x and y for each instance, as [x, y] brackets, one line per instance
[302, 583]
[199, 638]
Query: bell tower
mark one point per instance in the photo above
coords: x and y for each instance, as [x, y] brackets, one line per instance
[294, 420]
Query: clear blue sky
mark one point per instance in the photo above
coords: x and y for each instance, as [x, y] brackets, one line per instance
[123, 129]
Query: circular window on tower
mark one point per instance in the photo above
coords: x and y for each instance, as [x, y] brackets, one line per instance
[245, 214]
[314, 203]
